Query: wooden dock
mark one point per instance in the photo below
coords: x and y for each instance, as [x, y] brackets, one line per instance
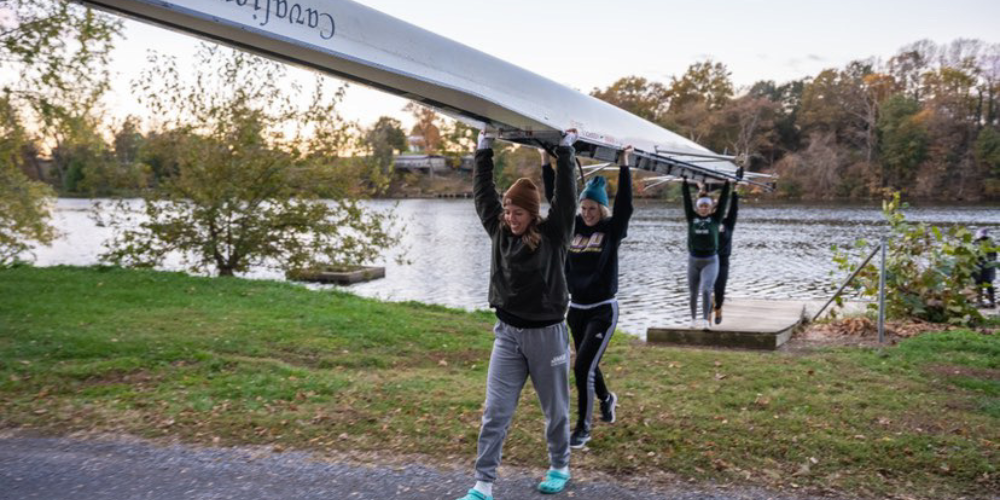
[747, 324]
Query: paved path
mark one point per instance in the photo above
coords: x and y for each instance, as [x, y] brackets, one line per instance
[74, 469]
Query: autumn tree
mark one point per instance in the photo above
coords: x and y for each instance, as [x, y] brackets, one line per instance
[128, 142]
[382, 141]
[25, 208]
[750, 127]
[787, 98]
[909, 65]
[459, 138]
[53, 56]
[989, 89]
[386, 139]
[922, 122]
[695, 99]
[705, 82]
[904, 141]
[60, 53]
[250, 166]
[427, 127]
[637, 95]
[987, 154]
[87, 164]
[825, 105]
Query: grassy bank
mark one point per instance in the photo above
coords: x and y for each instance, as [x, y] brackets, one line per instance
[228, 361]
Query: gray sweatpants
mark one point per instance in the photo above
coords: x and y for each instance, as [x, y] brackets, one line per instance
[542, 354]
[702, 272]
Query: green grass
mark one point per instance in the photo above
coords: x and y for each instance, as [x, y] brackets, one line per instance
[231, 361]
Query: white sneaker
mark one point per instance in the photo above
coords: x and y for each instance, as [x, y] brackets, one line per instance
[706, 325]
[695, 324]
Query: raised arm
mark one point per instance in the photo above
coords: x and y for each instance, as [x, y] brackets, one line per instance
[720, 210]
[563, 208]
[484, 189]
[548, 177]
[730, 221]
[688, 206]
[623, 198]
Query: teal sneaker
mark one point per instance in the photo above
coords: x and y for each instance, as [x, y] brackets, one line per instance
[475, 495]
[554, 482]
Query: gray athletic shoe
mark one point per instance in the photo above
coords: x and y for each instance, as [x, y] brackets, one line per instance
[608, 409]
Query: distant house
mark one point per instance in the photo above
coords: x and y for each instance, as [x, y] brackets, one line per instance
[426, 164]
[466, 163]
[416, 143]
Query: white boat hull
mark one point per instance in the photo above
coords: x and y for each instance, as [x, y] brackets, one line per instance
[359, 44]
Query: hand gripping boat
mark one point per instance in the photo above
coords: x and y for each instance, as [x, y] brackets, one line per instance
[362, 45]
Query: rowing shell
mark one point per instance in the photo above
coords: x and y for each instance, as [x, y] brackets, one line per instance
[362, 45]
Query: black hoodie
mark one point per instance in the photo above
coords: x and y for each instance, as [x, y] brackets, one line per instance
[528, 287]
[592, 266]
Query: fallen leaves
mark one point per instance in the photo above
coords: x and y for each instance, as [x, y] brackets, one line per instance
[761, 401]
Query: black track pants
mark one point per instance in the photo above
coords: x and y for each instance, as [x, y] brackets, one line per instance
[721, 280]
[984, 284]
[592, 330]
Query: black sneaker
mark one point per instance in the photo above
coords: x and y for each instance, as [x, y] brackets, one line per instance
[608, 409]
[579, 438]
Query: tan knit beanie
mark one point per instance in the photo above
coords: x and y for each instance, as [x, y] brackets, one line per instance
[524, 194]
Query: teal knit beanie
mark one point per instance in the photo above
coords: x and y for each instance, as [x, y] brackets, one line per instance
[595, 191]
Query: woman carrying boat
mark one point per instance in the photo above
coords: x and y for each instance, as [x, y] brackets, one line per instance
[703, 219]
[528, 293]
[592, 276]
[725, 250]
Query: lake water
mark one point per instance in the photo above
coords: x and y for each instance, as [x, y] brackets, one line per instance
[780, 251]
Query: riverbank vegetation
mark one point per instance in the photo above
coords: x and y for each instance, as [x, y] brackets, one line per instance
[54, 56]
[234, 362]
[246, 178]
[929, 270]
[924, 121]
[240, 166]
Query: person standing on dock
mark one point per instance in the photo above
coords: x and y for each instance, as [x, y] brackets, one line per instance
[725, 250]
[529, 294]
[987, 270]
[592, 275]
[704, 218]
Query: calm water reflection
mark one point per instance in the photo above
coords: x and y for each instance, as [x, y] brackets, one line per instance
[780, 251]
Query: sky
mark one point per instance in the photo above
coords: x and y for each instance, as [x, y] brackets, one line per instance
[591, 43]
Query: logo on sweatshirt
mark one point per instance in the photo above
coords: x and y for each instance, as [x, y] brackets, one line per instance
[592, 243]
[561, 359]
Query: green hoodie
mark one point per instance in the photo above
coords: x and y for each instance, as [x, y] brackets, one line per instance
[703, 232]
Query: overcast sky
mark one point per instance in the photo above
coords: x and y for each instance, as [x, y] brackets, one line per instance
[591, 43]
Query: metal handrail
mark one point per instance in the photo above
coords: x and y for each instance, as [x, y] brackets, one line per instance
[850, 279]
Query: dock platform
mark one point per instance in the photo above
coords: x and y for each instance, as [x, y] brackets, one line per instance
[746, 324]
